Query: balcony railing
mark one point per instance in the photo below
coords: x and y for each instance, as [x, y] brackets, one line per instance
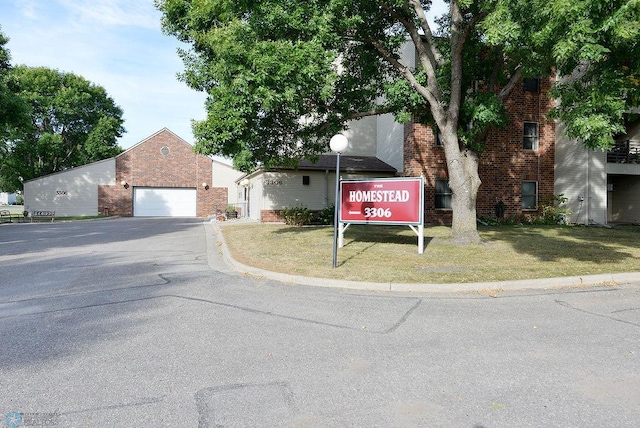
[627, 151]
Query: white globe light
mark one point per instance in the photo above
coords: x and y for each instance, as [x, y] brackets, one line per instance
[338, 143]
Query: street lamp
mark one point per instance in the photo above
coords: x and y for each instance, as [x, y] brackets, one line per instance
[338, 145]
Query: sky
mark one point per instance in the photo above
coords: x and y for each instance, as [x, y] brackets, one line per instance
[116, 44]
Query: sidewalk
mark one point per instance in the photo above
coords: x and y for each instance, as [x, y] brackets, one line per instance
[486, 287]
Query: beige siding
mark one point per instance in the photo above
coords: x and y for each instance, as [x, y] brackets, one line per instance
[285, 189]
[255, 200]
[624, 185]
[225, 176]
[625, 199]
[390, 141]
[73, 192]
[362, 135]
[581, 172]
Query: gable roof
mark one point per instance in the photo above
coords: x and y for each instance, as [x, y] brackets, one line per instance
[163, 130]
[348, 164]
[70, 169]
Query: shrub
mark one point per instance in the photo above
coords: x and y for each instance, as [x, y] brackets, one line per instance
[325, 215]
[296, 216]
[553, 212]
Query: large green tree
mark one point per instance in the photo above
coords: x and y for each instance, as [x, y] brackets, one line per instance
[72, 122]
[12, 106]
[283, 76]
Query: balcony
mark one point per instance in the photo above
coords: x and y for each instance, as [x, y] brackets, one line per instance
[627, 151]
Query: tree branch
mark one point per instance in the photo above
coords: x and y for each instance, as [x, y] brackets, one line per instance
[459, 35]
[428, 35]
[511, 84]
[404, 70]
[457, 43]
[363, 114]
[429, 57]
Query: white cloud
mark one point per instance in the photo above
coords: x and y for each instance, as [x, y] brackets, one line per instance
[114, 12]
[27, 7]
[116, 44]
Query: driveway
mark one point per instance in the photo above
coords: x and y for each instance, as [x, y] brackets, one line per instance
[138, 322]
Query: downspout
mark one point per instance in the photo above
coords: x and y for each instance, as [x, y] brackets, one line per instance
[326, 187]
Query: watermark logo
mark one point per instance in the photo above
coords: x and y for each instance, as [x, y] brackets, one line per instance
[18, 419]
[14, 420]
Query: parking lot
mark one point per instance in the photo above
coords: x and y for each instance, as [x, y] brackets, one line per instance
[140, 322]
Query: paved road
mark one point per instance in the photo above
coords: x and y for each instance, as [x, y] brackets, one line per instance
[138, 322]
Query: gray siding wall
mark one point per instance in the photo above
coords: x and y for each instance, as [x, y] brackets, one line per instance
[362, 135]
[390, 138]
[581, 172]
[73, 192]
[624, 186]
[285, 189]
[624, 199]
[225, 176]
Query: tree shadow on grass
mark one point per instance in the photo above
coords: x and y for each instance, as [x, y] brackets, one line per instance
[582, 244]
[374, 233]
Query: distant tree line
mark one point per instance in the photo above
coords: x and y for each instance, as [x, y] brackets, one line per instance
[50, 121]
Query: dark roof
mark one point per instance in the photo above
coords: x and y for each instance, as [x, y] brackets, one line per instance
[348, 164]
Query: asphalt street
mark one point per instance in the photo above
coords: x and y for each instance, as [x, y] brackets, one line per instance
[142, 322]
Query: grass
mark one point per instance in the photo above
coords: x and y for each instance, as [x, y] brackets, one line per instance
[390, 253]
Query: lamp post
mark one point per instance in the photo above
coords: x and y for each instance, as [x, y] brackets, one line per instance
[338, 145]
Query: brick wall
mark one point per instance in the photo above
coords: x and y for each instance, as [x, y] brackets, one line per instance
[162, 160]
[503, 167]
[271, 216]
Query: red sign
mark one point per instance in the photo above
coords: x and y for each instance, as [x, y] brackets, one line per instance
[382, 200]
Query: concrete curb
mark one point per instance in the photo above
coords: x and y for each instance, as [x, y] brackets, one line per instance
[486, 287]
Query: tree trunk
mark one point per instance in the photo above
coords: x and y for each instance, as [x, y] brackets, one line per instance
[464, 182]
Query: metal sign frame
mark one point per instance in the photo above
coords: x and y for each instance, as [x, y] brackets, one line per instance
[382, 201]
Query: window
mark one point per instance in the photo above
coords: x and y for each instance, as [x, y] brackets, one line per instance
[438, 139]
[443, 194]
[529, 195]
[531, 84]
[306, 180]
[530, 137]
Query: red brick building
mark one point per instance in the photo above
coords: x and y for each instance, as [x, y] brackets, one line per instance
[162, 176]
[517, 167]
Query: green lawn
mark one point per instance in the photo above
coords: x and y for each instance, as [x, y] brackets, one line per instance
[390, 253]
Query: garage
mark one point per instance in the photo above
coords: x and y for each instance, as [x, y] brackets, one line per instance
[161, 176]
[164, 202]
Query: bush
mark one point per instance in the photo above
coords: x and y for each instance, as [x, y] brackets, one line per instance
[553, 212]
[296, 216]
[325, 215]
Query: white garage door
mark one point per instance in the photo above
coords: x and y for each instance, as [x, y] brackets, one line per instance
[164, 202]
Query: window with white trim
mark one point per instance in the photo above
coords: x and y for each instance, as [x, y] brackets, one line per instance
[443, 194]
[529, 195]
[530, 136]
